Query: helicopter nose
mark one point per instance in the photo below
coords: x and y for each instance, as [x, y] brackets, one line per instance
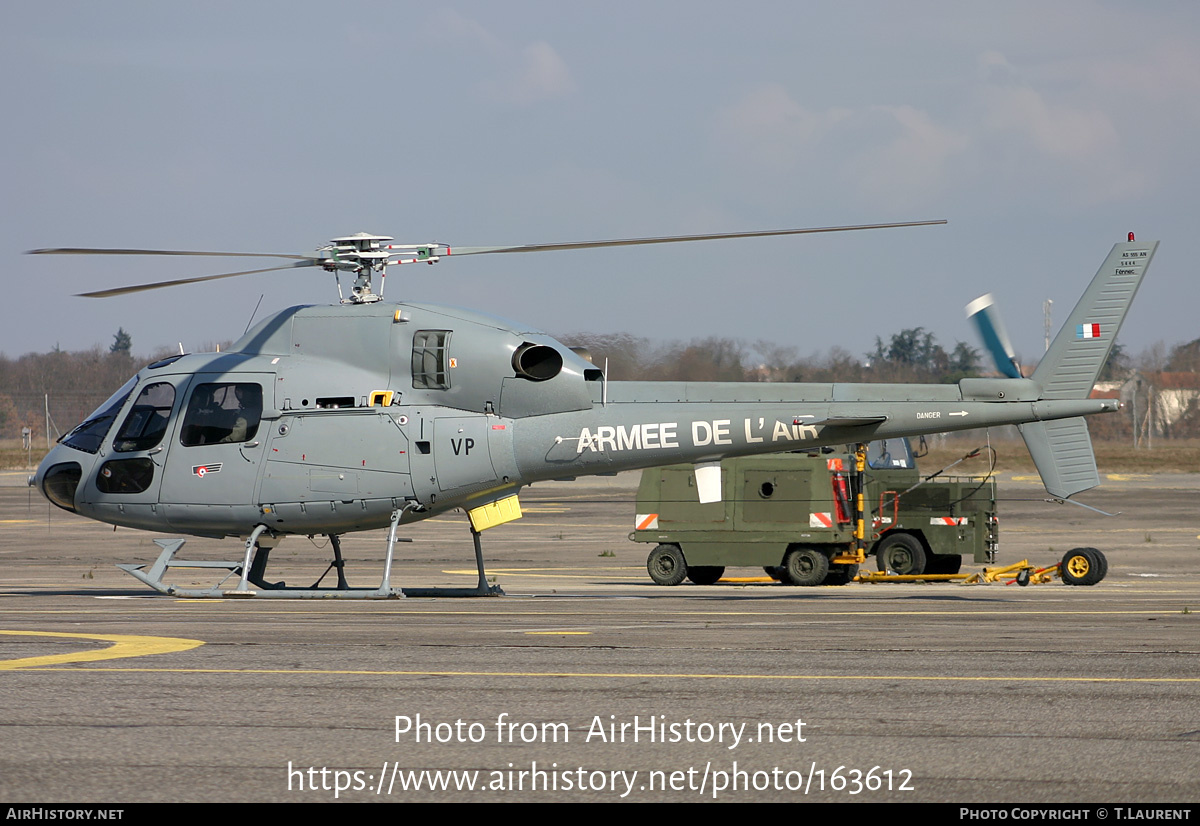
[58, 478]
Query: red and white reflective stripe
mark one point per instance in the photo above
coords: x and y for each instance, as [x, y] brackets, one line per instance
[949, 520]
[646, 522]
[820, 520]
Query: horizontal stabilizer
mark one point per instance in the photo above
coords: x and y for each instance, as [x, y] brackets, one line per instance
[1062, 452]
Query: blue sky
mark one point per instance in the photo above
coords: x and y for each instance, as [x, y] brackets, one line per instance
[1043, 132]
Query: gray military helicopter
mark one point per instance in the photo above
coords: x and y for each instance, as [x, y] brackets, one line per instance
[366, 414]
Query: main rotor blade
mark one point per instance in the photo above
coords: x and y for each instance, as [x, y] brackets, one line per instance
[991, 329]
[673, 239]
[137, 288]
[91, 251]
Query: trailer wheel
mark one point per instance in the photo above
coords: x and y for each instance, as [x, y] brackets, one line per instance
[705, 574]
[666, 565]
[1082, 566]
[901, 553]
[841, 574]
[805, 566]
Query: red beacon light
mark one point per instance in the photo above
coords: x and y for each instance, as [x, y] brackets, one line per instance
[1131, 238]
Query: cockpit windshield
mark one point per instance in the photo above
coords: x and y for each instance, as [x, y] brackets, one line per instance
[90, 434]
[890, 453]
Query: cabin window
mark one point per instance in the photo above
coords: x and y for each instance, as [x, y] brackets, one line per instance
[429, 360]
[146, 423]
[220, 414]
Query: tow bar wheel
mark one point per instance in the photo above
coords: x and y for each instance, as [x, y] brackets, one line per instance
[1083, 566]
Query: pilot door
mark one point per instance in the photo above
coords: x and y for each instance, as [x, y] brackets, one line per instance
[131, 466]
[217, 450]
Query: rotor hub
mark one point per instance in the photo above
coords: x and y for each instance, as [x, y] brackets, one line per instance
[361, 253]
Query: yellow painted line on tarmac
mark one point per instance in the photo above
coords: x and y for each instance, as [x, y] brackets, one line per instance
[640, 675]
[124, 645]
[18, 521]
[557, 633]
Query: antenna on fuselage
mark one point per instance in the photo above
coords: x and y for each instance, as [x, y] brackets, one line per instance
[253, 314]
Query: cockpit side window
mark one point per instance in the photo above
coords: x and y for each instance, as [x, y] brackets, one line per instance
[429, 361]
[222, 414]
[147, 421]
[90, 434]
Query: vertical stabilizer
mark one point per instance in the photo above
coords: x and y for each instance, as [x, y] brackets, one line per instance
[1075, 358]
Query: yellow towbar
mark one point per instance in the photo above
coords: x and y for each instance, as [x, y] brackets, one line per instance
[1021, 573]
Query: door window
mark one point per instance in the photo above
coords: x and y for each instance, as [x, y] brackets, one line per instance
[220, 414]
[147, 421]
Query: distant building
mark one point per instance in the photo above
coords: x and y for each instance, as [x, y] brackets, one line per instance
[1162, 404]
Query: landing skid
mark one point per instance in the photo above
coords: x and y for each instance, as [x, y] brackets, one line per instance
[251, 582]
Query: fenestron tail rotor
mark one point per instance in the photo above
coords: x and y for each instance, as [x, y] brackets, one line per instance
[364, 254]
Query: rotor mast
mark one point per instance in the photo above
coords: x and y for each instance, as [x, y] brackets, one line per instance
[361, 254]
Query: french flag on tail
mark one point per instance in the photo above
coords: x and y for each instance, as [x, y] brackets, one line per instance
[1087, 331]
